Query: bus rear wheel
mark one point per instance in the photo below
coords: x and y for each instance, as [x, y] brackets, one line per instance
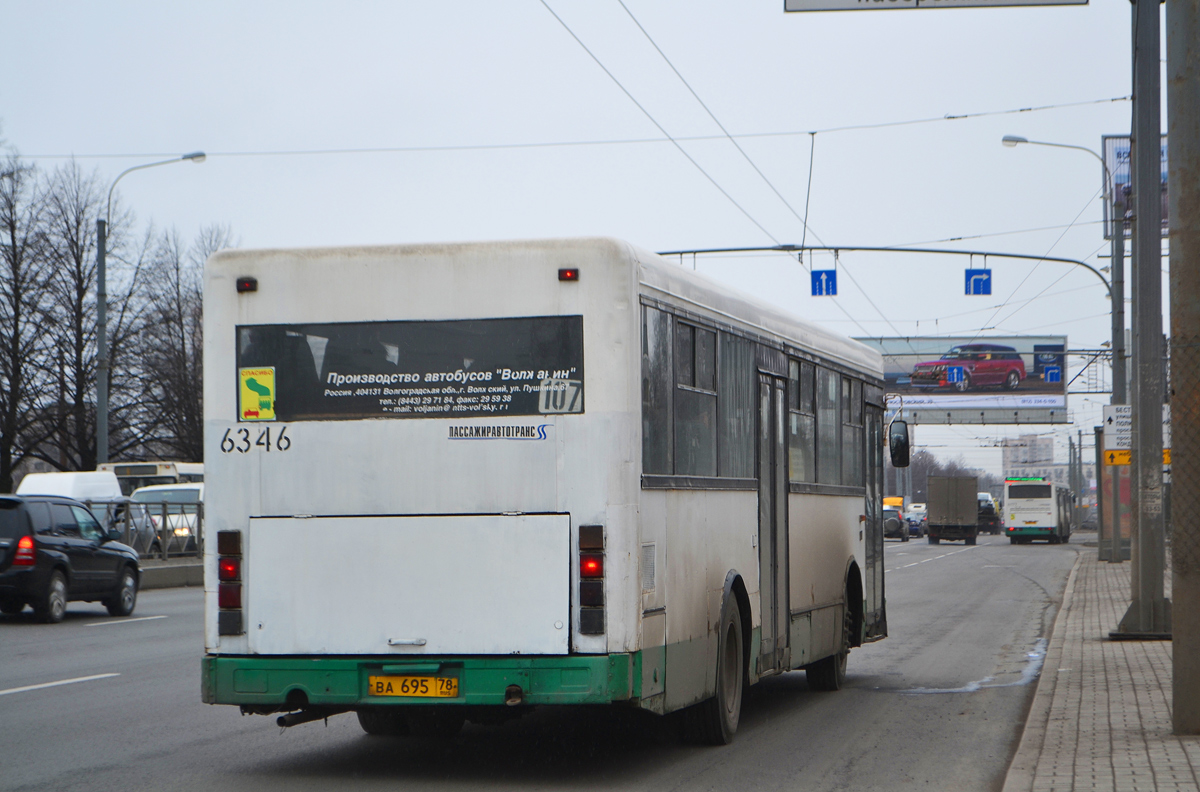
[715, 721]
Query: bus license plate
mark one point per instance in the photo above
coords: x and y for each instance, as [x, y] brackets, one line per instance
[416, 686]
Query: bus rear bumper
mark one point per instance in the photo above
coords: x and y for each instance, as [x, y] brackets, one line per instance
[279, 682]
[1031, 532]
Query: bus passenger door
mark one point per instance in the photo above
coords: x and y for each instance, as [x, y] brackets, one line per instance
[874, 613]
[772, 523]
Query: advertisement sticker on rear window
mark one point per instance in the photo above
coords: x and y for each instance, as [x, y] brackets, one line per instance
[257, 402]
[447, 369]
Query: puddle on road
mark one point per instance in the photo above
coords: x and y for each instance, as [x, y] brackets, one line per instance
[1033, 666]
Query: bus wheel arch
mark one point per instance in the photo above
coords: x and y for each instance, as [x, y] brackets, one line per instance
[715, 720]
[736, 587]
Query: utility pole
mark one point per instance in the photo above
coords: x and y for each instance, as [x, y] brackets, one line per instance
[1118, 296]
[101, 343]
[1149, 615]
[1183, 177]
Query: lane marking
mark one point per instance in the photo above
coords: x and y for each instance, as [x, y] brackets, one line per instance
[935, 558]
[123, 621]
[56, 684]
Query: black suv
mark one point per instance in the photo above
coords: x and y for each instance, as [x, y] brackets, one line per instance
[53, 550]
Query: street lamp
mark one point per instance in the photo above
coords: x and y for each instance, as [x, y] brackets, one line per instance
[102, 305]
[1117, 290]
[1117, 293]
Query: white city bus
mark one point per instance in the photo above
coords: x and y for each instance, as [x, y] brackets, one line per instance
[444, 479]
[1035, 508]
[132, 475]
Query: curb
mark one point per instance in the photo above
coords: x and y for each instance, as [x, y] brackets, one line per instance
[175, 576]
[1023, 767]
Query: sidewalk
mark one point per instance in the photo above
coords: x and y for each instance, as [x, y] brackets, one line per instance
[1101, 717]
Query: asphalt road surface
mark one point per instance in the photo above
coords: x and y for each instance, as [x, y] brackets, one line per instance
[97, 703]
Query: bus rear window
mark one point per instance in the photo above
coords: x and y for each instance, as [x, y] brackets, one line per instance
[1029, 491]
[453, 369]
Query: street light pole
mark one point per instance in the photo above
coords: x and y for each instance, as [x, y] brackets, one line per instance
[102, 305]
[1118, 263]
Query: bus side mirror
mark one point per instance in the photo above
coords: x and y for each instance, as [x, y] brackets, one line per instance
[898, 443]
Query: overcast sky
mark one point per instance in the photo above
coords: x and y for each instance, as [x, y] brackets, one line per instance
[489, 120]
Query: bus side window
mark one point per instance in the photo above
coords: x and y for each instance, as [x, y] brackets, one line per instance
[736, 409]
[829, 414]
[801, 421]
[695, 405]
[852, 432]
[656, 392]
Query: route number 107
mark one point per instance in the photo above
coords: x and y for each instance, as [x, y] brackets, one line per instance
[239, 440]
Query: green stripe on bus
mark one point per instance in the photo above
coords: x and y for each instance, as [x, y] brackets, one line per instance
[571, 679]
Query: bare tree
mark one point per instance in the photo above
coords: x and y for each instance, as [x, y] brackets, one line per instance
[172, 343]
[73, 201]
[24, 346]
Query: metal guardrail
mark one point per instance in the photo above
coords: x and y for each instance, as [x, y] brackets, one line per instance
[156, 530]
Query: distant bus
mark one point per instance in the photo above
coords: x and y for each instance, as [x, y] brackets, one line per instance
[1034, 508]
[132, 475]
[452, 481]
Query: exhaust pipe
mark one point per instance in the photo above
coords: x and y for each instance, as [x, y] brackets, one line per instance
[514, 695]
[307, 715]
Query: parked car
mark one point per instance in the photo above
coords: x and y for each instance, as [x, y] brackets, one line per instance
[53, 550]
[982, 365]
[894, 526]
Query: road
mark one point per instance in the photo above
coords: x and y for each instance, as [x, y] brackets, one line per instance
[939, 705]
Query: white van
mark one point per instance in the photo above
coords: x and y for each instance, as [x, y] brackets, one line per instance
[99, 485]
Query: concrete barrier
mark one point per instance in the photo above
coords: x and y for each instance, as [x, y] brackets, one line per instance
[172, 576]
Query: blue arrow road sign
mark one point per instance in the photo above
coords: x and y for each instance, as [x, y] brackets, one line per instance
[954, 374]
[824, 283]
[1052, 374]
[979, 281]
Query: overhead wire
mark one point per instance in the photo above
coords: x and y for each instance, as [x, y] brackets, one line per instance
[808, 195]
[659, 126]
[567, 143]
[721, 126]
[1038, 264]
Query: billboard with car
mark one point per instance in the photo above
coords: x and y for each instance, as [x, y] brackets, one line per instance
[969, 379]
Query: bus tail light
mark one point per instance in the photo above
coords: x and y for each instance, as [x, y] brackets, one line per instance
[591, 579]
[591, 565]
[229, 595]
[26, 555]
[230, 619]
[229, 569]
